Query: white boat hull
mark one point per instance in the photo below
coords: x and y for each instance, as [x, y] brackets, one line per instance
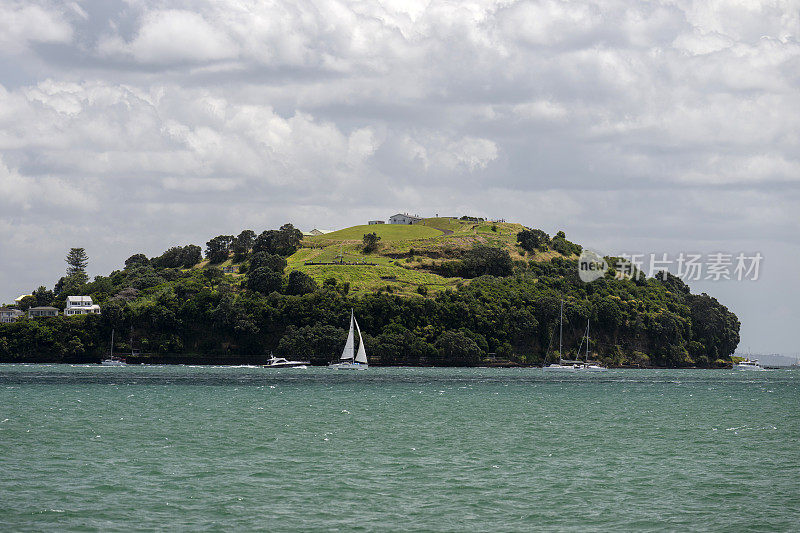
[751, 368]
[281, 362]
[594, 368]
[111, 362]
[559, 368]
[348, 366]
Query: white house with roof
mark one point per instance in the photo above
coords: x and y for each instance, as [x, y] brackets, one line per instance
[42, 311]
[8, 315]
[404, 218]
[81, 305]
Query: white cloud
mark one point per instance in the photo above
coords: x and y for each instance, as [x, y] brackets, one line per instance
[173, 36]
[22, 23]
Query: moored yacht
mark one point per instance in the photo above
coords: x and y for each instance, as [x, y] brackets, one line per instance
[748, 364]
[112, 360]
[588, 366]
[562, 365]
[282, 362]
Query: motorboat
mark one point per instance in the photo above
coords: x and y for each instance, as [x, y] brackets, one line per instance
[282, 362]
[748, 364]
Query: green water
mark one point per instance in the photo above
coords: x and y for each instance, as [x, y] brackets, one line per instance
[391, 449]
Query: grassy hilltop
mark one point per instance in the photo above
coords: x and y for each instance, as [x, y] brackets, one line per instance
[406, 255]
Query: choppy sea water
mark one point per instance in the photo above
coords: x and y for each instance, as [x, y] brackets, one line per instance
[397, 449]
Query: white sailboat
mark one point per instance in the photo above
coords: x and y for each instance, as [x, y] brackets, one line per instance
[562, 365]
[590, 367]
[351, 358]
[111, 360]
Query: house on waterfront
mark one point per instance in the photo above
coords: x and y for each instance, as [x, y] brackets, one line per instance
[81, 305]
[373, 222]
[404, 218]
[8, 315]
[42, 311]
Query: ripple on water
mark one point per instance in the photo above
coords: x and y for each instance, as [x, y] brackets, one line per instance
[396, 449]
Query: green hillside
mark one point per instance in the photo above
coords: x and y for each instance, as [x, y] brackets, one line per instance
[387, 232]
[406, 254]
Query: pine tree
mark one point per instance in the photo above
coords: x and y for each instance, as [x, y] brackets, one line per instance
[77, 261]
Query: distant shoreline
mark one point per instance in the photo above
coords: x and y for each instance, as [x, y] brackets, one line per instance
[258, 360]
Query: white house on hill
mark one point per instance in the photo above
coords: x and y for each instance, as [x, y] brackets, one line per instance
[403, 218]
[8, 315]
[80, 305]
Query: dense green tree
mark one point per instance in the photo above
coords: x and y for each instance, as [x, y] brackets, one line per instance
[319, 341]
[370, 242]
[300, 283]
[43, 297]
[457, 348]
[218, 248]
[269, 261]
[136, 260]
[532, 240]
[27, 302]
[560, 244]
[283, 242]
[180, 257]
[264, 280]
[242, 244]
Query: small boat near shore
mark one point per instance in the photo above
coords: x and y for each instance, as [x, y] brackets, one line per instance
[749, 364]
[282, 362]
[112, 360]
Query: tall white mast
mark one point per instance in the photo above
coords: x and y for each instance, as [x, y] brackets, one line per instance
[560, 329]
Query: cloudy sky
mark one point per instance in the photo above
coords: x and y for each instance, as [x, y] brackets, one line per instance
[658, 126]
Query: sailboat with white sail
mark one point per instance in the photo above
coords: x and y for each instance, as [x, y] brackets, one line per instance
[351, 358]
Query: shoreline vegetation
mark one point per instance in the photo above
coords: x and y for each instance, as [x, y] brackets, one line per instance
[448, 291]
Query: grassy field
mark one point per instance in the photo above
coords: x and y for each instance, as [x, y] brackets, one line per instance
[387, 233]
[365, 279]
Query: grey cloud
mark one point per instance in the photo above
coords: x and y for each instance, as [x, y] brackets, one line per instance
[625, 123]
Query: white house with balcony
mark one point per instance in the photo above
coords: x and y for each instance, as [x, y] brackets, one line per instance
[81, 305]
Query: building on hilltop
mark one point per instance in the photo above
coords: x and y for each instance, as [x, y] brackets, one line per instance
[8, 315]
[373, 222]
[38, 312]
[404, 218]
[81, 305]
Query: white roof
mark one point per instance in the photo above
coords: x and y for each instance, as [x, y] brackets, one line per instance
[79, 298]
[404, 215]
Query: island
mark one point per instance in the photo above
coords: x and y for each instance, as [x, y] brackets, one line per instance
[438, 291]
